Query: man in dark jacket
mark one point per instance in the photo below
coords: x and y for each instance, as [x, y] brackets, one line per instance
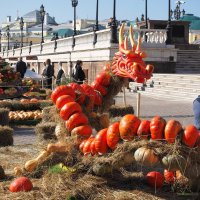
[196, 110]
[78, 74]
[21, 67]
[49, 73]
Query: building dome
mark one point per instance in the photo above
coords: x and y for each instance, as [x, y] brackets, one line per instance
[194, 21]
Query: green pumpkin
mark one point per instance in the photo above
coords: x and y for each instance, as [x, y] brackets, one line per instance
[174, 162]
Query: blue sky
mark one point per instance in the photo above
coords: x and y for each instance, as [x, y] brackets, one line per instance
[126, 9]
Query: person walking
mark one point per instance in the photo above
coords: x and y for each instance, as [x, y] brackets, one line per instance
[21, 67]
[196, 111]
[78, 74]
[60, 74]
[49, 73]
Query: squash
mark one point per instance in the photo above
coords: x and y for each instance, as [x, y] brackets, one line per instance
[128, 127]
[100, 141]
[145, 156]
[21, 184]
[174, 162]
[89, 91]
[85, 131]
[98, 98]
[169, 176]
[34, 100]
[62, 100]
[113, 135]
[157, 126]
[144, 129]
[57, 147]
[60, 134]
[80, 94]
[87, 146]
[32, 164]
[62, 90]
[155, 179]
[104, 78]
[69, 109]
[93, 148]
[190, 135]
[82, 145]
[18, 171]
[77, 119]
[172, 129]
[99, 88]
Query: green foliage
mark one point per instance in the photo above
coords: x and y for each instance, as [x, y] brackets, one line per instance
[32, 122]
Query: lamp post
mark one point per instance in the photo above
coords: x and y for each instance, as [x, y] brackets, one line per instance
[74, 4]
[96, 27]
[177, 11]
[0, 40]
[8, 35]
[146, 24]
[21, 24]
[114, 25]
[169, 27]
[42, 14]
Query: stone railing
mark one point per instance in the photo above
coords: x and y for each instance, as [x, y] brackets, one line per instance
[80, 44]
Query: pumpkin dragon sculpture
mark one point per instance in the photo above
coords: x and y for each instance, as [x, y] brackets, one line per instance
[76, 104]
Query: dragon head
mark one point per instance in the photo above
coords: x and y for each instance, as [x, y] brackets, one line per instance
[128, 63]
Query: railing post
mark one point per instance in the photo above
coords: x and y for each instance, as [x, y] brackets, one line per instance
[30, 44]
[73, 41]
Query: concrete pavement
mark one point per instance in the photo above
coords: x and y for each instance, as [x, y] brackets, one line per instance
[181, 111]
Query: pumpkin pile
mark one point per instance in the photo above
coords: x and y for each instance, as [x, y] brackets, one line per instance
[22, 115]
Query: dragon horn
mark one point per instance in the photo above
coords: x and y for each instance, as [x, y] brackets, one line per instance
[126, 43]
[131, 37]
[121, 30]
[139, 44]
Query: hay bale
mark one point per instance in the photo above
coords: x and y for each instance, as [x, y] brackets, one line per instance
[6, 136]
[4, 116]
[2, 173]
[45, 132]
[116, 111]
[49, 114]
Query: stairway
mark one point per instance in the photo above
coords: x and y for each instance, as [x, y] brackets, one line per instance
[188, 61]
[180, 87]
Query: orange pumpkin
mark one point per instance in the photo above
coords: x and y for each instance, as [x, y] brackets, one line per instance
[68, 109]
[99, 88]
[87, 146]
[21, 184]
[100, 141]
[157, 126]
[190, 135]
[92, 148]
[84, 131]
[34, 100]
[113, 135]
[75, 120]
[97, 99]
[89, 91]
[169, 176]
[24, 100]
[155, 179]
[144, 129]
[172, 129]
[80, 94]
[62, 90]
[128, 127]
[103, 78]
[82, 145]
[62, 100]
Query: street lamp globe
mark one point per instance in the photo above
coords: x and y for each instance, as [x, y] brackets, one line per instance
[42, 12]
[21, 23]
[74, 3]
